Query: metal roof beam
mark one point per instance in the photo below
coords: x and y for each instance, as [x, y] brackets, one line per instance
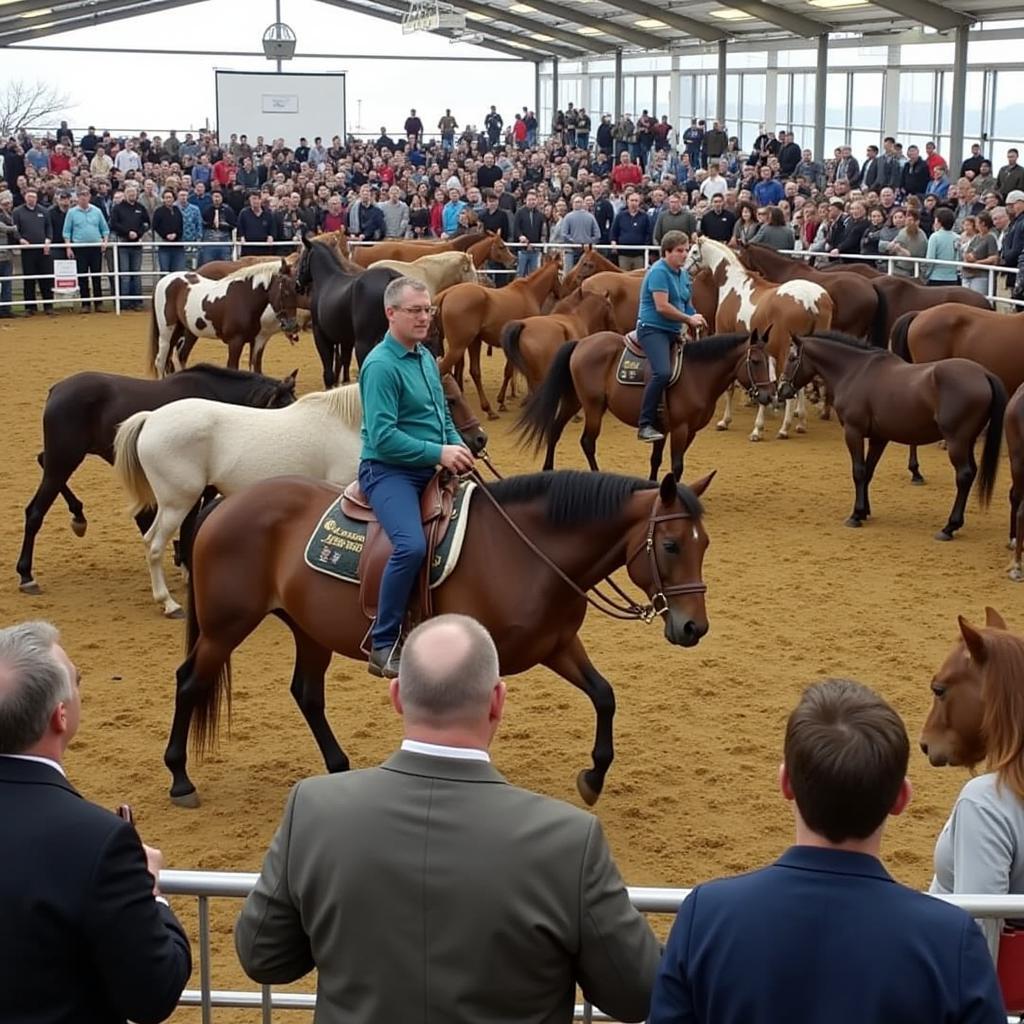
[571, 39]
[637, 37]
[673, 19]
[20, 7]
[88, 18]
[791, 21]
[926, 13]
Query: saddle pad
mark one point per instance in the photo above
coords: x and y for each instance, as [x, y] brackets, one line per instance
[337, 542]
[632, 368]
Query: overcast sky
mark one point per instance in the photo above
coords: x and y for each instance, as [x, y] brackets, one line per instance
[153, 92]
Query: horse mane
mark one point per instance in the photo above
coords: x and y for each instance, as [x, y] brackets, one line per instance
[341, 403]
[261, 387]
[713, 347]
[730, 256]
[265, 270]
[1003, 714]
[575, 497]
[848, 340]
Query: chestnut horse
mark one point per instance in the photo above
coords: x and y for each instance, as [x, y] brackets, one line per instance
[583, 376]
[590, 263]
[1015, 446]
[880, 398]
[470, 314]
[412, 249]
[533, 547]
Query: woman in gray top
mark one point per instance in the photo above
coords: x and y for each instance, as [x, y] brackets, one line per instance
[980, 248]
[909, 241]
[776, 233]
[746, 225]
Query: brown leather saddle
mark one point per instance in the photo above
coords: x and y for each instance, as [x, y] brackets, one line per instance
[436, 505]
[634, 366]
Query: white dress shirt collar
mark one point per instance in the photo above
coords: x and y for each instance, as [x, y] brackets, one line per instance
[41, 760]
[440, 750]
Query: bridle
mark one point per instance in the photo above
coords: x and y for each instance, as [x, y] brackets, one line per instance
[288, 322]
[754, 386]
[783, 379]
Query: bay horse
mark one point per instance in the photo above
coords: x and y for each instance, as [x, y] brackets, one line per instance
[81, 416]
[245, 308]
[470, 314]
[583, 376]
[531, 343]
[902, 295]
[970, 693]
[1015, 447]
[412, 249]
[748, 301]
[167, 459]
[534, 546]
[880, 398]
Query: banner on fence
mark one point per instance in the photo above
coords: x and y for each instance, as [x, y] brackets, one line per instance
[65, 276]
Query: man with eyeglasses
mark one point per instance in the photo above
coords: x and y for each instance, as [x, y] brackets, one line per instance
[407, 432]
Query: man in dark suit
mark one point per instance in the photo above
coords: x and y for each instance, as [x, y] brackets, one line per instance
[431, 889]
[86, 937]
[825, 934]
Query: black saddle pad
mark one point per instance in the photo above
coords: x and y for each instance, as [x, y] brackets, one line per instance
[632, 369]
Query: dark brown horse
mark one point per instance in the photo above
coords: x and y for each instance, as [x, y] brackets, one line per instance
[82, 414]
[248, 561]
[583, 376]
[880, 398]
[1015, 446]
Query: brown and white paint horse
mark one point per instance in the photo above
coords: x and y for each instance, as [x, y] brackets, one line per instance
[244, 308]
[747, 301]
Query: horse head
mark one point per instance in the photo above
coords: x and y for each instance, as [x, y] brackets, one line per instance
[795, 374]
[953, 733]
[501, 253]
[466, 423]
[303, 273]
[756, 372]
[283, 295]
[694, 258]
[284, 391]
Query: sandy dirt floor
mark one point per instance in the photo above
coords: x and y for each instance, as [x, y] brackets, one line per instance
[793, 596]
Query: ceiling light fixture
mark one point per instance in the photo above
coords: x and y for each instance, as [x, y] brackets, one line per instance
[731, 14]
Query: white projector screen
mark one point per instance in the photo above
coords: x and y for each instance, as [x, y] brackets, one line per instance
[288, 106]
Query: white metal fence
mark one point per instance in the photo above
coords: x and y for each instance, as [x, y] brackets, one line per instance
[207, 885]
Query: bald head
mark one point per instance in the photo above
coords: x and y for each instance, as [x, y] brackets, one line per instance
[448, 673]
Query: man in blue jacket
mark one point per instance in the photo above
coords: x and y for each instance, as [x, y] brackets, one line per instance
[824, 933]
[407, 432]
[768, 191]
[631, 229]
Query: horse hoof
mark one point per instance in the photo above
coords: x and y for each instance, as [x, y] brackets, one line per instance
[853, 522]
[755, 437]
[721, 425]
[188, 800]
[174, 613]
[917, 481]
[30, 587]
[943, 535]
[588, 794]
[502, 407]
[78, 527]
[783, 435]
[801, 429]
[491, 414]
[1012, 544]
[1017, 575]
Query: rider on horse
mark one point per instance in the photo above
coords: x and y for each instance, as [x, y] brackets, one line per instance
[665, 307]
[407, 432]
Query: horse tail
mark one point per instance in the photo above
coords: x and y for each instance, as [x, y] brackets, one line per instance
[879, 336]
[209, 699]
[993, 439]
[128, 466]
[154, 338]
[510, 337]
[900, 338]
[538, 420]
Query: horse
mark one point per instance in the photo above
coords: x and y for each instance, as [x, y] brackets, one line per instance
[623, 291]
[530, 344]
[469, 314]
[406, 249]
[245, 308]
[216, 269]
[166, 459]
[881, 398]
[858, 307]
[80, 418]
[778, 311]
[862, 268]
[902, 295]
[438, 271]
[1015, 446]
[583, 376]
[590, 262]
[962, 714]
[533, 547]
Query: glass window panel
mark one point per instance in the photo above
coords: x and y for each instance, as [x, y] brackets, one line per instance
[835, 100]
[928, 54]
[917, 97]
[698, 61]
[803, 99]
[749, 131]
[569, 92]
[600, 65]
[647, 63]
[972, 108]
[747, 59]
[995, 51]
[644, 94]
[687, 107]
[663, 96]
[782, 84]
[796, 58]
[860, 140]
[1009, 104]
[732, 97]
[595, 95]
[863, 56]
[834, 137]
[628, 96]
[944, 98]
[866, 94]
[753, 98]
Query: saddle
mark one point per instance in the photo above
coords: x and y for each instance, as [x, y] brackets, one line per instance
[634, 367]
[436, 506]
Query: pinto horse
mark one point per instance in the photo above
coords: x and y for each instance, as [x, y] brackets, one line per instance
[245, 308]
[880, 398]
[533, 547]
[747, 301]
[81, 416]
[583, 376]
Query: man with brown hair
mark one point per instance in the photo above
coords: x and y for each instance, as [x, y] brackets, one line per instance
[825, 933]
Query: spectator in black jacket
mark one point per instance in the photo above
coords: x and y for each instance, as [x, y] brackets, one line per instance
[129, 221]
[916, 175]
[853, 232]
[789, 156]
[219, 220]
[255, 224]
[33, 224]
[718, 222]
[168, 225]
[528, 229]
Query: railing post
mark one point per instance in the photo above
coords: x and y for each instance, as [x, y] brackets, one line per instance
[266, 1005]
[117, 279]
[205, 988]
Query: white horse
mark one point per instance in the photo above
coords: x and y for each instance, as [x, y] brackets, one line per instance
[168, 457]
[437, 271]
[747, 301]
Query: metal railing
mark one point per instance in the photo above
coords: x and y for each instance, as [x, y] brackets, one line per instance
[207, 885]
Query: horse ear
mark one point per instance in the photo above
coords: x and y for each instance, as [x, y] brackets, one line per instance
[700, 486]
[668, 492]
[306, 240]
[993, 619]
[974, 640]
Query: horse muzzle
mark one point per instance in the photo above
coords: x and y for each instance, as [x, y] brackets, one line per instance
[476, 440]
[684, 632]
[290, 328]
[786, 391]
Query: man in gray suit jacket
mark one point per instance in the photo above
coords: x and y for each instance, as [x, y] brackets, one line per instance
[429, 889]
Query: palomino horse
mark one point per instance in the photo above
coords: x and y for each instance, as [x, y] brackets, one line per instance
[470, 314]
[438, 271]
[858, 308]
[583, 375]
[412, 249]
[530, 344]
[337, 240]
[166, 459]
[533, 547]
[245, 308]
[1015, 446]
[881, 398]
[746, 301]
[970, 692]
[81, 416]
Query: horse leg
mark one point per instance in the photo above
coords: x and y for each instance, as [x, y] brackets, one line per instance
[35, 512]
[571, 663]
[256, 348]
[657, 454]
[680, 438]
[478, 381]
[566, 411]
[79, 523]
[758, 432]
[876, 446]
[1016, 528]
[158, 536]
[855, 446]
[507, 381]
[723, 423]
[593, 413]
[914, 466]
[181, 351]
[787, 420]
[801, 412]
[961, 455]
[328, 354]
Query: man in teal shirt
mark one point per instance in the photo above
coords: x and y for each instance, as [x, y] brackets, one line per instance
[407, 432]
[83, 224]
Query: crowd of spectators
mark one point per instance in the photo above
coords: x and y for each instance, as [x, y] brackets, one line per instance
[621, 186]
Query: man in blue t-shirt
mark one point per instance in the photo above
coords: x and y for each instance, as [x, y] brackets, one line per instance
[665, 307]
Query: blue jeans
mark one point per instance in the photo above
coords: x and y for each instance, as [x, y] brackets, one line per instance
[129, 261]
[582, 140]
[210, 251]
[527, 261]
[394, 493]
[657, 343]
[170, 258]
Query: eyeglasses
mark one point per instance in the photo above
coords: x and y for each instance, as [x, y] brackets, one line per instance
[418, 310]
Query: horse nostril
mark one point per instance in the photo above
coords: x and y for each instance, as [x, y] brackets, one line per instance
[924, 747]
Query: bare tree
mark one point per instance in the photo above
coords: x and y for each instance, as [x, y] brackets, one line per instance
[27, 105]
